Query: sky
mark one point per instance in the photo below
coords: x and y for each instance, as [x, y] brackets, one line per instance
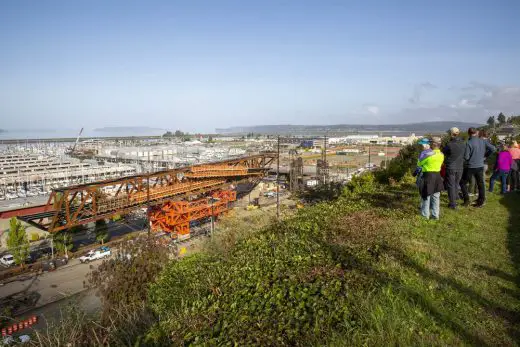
[199, 65]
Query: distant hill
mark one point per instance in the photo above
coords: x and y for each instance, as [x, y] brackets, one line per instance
[126, 129]
[426, 127]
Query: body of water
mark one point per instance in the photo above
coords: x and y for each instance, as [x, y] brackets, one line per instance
[22, 134]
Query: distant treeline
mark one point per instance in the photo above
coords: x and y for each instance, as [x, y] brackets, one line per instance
[425, 127]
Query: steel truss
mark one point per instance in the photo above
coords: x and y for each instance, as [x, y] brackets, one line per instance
[81, 204]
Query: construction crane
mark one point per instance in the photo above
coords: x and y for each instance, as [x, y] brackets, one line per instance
[172, 198]
[77, 140]
[72, 149]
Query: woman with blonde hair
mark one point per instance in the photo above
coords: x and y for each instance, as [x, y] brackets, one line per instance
[515, 167]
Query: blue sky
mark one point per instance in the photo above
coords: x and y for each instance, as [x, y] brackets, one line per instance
[196, 65]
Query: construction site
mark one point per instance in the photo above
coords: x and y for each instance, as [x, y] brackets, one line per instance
[174, 190]
[172, 183]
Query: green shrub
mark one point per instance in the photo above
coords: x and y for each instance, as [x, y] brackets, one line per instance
[283, 288]
[399, 166]
[288, 284]
[365, 183]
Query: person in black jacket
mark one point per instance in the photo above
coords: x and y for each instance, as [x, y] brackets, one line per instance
[454, 161]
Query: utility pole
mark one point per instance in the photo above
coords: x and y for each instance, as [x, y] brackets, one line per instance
[148, 204]
[325, 166]
[386, 154]
[369, 150]
[212, 218]
[52, 247]
[278, 181]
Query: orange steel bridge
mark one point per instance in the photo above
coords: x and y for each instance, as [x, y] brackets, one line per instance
[172, 198]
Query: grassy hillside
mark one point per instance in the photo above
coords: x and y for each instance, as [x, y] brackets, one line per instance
[363, 270]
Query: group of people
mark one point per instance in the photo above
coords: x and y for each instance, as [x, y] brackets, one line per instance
[459, 162]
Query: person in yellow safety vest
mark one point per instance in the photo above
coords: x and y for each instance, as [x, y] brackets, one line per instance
[432, 184]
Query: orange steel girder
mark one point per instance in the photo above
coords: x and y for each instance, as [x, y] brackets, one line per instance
[82, 204]
[174, 217]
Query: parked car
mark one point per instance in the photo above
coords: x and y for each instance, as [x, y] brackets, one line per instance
[52, 264]
[94, 254]
[7, 260]
[9, 340]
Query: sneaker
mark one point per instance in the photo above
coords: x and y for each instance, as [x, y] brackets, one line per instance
[466, 203]
[453, 207]
[479, 204]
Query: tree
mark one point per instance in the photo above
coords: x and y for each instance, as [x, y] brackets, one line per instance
[501, 119]
[179, 133]
[17, 242]
[63, 242]
[491, 121]
[125, 281]
[101, 231]
[494, 139]
[515, 120]
[210, 138]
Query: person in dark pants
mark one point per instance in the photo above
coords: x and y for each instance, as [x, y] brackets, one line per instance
[454, 161]
[515, 167]
[472, 184]
[502, 169]
[475, 153]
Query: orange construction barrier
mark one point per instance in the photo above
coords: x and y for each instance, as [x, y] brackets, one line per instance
[10, 330]
[4, 332]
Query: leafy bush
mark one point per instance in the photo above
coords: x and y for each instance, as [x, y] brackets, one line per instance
[399, 166]
[365, 183]
[323, 192]
[123, 281]
[77, 329]
[63, 242]
[288, 284]
[17, 241]
[101, 230]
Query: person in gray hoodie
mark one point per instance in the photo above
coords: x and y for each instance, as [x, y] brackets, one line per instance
[475, 153]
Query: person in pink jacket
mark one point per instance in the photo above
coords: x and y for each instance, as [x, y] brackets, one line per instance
[502, 168]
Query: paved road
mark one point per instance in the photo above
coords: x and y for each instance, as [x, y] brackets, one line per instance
[52, 286]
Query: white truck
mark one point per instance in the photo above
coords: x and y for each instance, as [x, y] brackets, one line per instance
[7, 260]
[94, 254]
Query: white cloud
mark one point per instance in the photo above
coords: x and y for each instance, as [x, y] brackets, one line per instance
[483, 101]
[464, 103]
[372, 109]
[419, 90]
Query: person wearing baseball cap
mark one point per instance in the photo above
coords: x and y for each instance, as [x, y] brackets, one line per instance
[454, 161]
[426, 151]
[432, 185]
